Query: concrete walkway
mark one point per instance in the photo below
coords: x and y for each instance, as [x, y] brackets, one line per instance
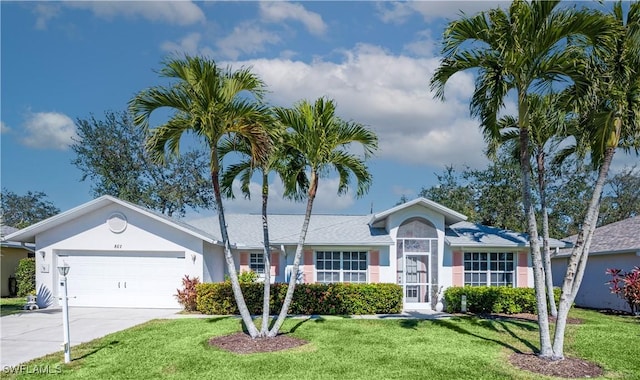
[32, 334]
[407, 314]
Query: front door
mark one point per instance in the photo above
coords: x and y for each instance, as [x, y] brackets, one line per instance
[416, 281]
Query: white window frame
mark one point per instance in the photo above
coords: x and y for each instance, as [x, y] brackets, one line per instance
[491, 268]
[338, 261]
[256, 261]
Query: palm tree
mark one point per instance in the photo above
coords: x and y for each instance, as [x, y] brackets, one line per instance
[518, 51]
[610, 116]
[319, 140]
[210, 103]
[548, 119]
[279, 162]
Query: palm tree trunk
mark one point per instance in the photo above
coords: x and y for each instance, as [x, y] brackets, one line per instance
[579, 256]
[231, 266]
[532, 228]
[296, 260]
[546, 251]
[264, 330]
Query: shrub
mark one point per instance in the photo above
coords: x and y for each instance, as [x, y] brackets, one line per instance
[187, 297]
[626, 286]
[26, 277]
[244, 277]
[325, 299]
[493, 299]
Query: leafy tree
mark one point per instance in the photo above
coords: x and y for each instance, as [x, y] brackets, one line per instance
[452, 192]
[320, 140]
[474, 191]
[622, 201]
[517, 51]
[111, 153]
[21, 211]
[568, 193]
[210, 103]
[500, 180]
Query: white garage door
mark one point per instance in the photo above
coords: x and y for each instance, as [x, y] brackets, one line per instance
[124, 279]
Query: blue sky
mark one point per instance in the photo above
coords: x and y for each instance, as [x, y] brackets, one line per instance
[67, 60]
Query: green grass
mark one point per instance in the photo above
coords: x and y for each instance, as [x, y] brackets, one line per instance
[11, 305]
[457, 348]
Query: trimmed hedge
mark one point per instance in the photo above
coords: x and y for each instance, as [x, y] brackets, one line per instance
[493, 299]
[26, 277]
[325, 299]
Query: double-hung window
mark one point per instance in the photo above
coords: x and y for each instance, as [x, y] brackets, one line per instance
[338, 266]
[256, 263]
[489, 268]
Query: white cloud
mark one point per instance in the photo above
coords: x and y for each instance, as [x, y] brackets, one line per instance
[4, 128]
[246, 38]
[172, 12]
[391, 95]
[398, 12]
[45, 12]
[49, 130]
[188, 44]
[394, 12]
[622, 161]
[423, 46]
[279, 11]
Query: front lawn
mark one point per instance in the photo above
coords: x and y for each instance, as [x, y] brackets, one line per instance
[11, 305]
[343, 348]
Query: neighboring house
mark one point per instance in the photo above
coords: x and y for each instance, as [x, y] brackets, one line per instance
[616, 245]
[123, 255]
[11, 253]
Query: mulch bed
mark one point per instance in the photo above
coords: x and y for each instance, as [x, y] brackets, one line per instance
[570, 368]
[241, 343]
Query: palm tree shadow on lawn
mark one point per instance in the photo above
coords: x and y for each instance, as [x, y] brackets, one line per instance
[451, 325]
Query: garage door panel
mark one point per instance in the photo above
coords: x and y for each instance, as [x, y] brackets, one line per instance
[124, 279]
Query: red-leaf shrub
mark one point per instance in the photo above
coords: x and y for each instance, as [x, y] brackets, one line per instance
[626, 286]
[188, 296]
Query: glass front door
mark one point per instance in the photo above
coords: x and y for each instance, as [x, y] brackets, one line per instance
[416, 281]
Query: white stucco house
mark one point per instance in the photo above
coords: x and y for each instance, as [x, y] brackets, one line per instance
[615, 245]
[122, 255]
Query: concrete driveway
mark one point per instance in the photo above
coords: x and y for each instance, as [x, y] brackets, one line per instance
[32, 334]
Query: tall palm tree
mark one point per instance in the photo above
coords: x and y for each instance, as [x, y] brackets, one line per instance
[518, 51]
[548, 119]
[320, 139]
[610, 120]
[209, 102]
[279, 162]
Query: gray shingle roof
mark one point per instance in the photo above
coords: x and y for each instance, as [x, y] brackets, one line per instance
[466, 234]
[246, 229]
[622, 236]
[6, 230]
